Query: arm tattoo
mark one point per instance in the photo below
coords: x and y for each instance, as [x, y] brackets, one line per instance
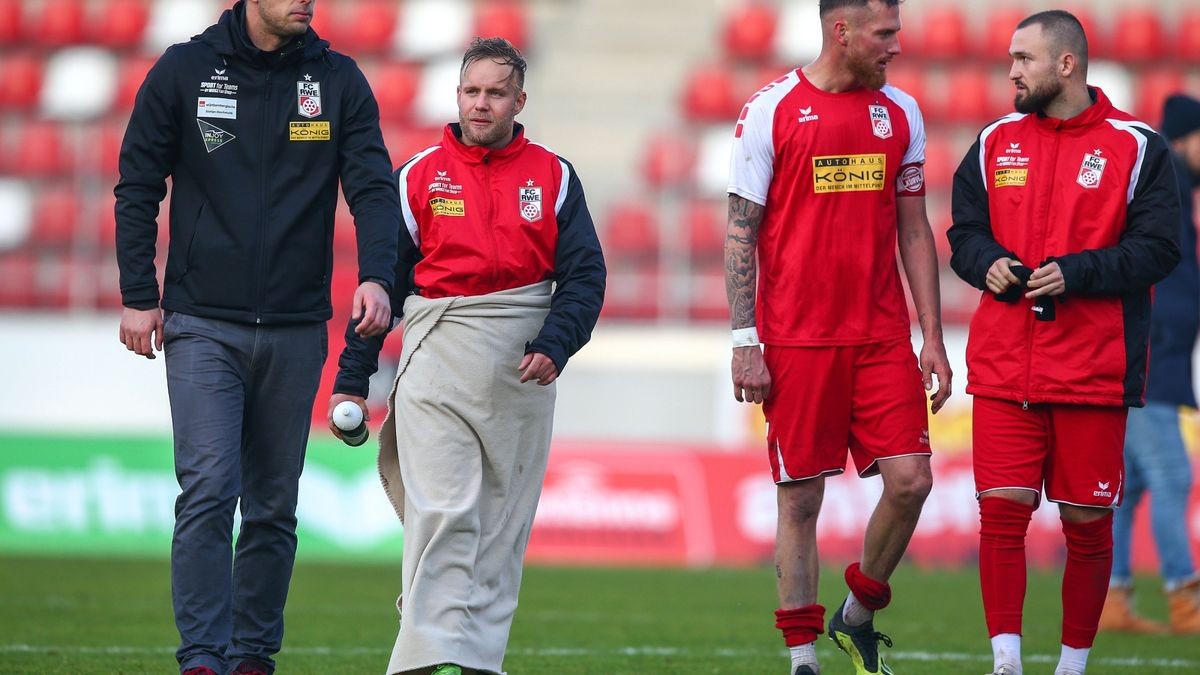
[741, 268]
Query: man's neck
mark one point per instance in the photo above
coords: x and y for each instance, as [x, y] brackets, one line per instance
[1073, 101]
[830, 76]
[256, 30]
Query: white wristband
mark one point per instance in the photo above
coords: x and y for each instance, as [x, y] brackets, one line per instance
[745, 337]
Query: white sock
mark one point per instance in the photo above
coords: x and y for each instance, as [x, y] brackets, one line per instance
[1072, 660]
[1006, 650]
[804, 655]
[854, 613]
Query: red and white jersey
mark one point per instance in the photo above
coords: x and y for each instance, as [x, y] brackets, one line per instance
[828, 168]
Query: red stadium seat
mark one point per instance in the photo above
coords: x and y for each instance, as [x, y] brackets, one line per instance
[1154, 85]
[631, 234]
[749, 31]
[395, 85]
[56, 215]
[105, 150]
[1140, 36]
[131, 74]
[17, 273]
[106, 221]
[970, 95]
[327, 25]
[503, 18]
[704, 221]
[41, 150]
[707, 300]
[998, 28]
[632, 292]
[940, 162]
[1187, 31]
[367, 26]
[60, 23]
[909, 79]
[121, 23]
[668, 160]
[20, 81]
[1099, 44]
[710, 94]
[404, 141]
[54, 277]
[942, 34]
[11, 22]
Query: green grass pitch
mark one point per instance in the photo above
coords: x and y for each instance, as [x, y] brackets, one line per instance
[113, 616]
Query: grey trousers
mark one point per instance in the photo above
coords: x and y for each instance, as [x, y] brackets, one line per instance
[241, 407]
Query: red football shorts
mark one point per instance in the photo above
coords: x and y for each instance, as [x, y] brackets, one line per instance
[1074, 451]
[868, 399]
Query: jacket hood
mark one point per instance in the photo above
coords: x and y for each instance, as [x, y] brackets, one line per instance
[228, 37]
[476, 154]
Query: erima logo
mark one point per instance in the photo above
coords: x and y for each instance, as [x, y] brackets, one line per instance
[1013, 149]
[1103, 486]
[441, 174]
[219, 71]
[1103, 491]
[807, 116]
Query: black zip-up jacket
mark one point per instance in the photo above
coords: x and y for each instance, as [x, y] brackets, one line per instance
[255, 144]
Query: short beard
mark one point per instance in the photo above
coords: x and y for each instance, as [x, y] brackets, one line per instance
[866, 74]
[1037, 98]
[491, 137]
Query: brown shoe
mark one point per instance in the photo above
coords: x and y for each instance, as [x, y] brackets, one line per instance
[1184, 608]
[1118, 614]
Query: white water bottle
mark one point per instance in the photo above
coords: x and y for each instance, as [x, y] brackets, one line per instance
[348, 417]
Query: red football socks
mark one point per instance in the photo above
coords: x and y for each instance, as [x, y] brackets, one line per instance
[1085, 579]
[801, 625]
[872, 594]
[1002, 527]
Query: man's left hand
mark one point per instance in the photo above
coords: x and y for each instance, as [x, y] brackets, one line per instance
[538, 367]
[372, 309]
[934, 362]
[1046, 280]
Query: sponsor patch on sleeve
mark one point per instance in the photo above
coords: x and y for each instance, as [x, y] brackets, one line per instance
[308, 131]
[1011, 177]
[912, 179]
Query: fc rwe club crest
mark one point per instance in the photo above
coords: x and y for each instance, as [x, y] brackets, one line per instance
[1091, 170]
[881, 121]
[308, 98]
[531, 202]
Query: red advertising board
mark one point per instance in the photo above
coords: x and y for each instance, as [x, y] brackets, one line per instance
[690, 506]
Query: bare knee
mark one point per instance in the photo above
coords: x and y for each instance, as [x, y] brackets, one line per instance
[908, 489]
[800, 501]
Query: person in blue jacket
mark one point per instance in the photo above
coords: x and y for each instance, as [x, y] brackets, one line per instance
[1156, 460]
[255, 121]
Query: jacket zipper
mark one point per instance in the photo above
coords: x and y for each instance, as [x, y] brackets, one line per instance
[260, 272]
[1044, 221]
[488, 225]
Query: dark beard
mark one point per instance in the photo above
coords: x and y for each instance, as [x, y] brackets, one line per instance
[1036, 98]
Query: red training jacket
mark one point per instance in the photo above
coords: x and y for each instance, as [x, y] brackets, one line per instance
[1095, 193]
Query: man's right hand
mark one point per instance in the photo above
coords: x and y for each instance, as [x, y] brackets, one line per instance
[751, 381]
[141, 331]
[1000, 277]
[333, 403]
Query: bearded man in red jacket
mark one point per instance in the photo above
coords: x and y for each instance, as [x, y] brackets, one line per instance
[1065, 214]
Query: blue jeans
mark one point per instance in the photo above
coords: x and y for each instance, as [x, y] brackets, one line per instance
[1155, 460]
[241, 408]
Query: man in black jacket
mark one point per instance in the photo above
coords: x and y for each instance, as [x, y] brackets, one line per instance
[256, 121]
